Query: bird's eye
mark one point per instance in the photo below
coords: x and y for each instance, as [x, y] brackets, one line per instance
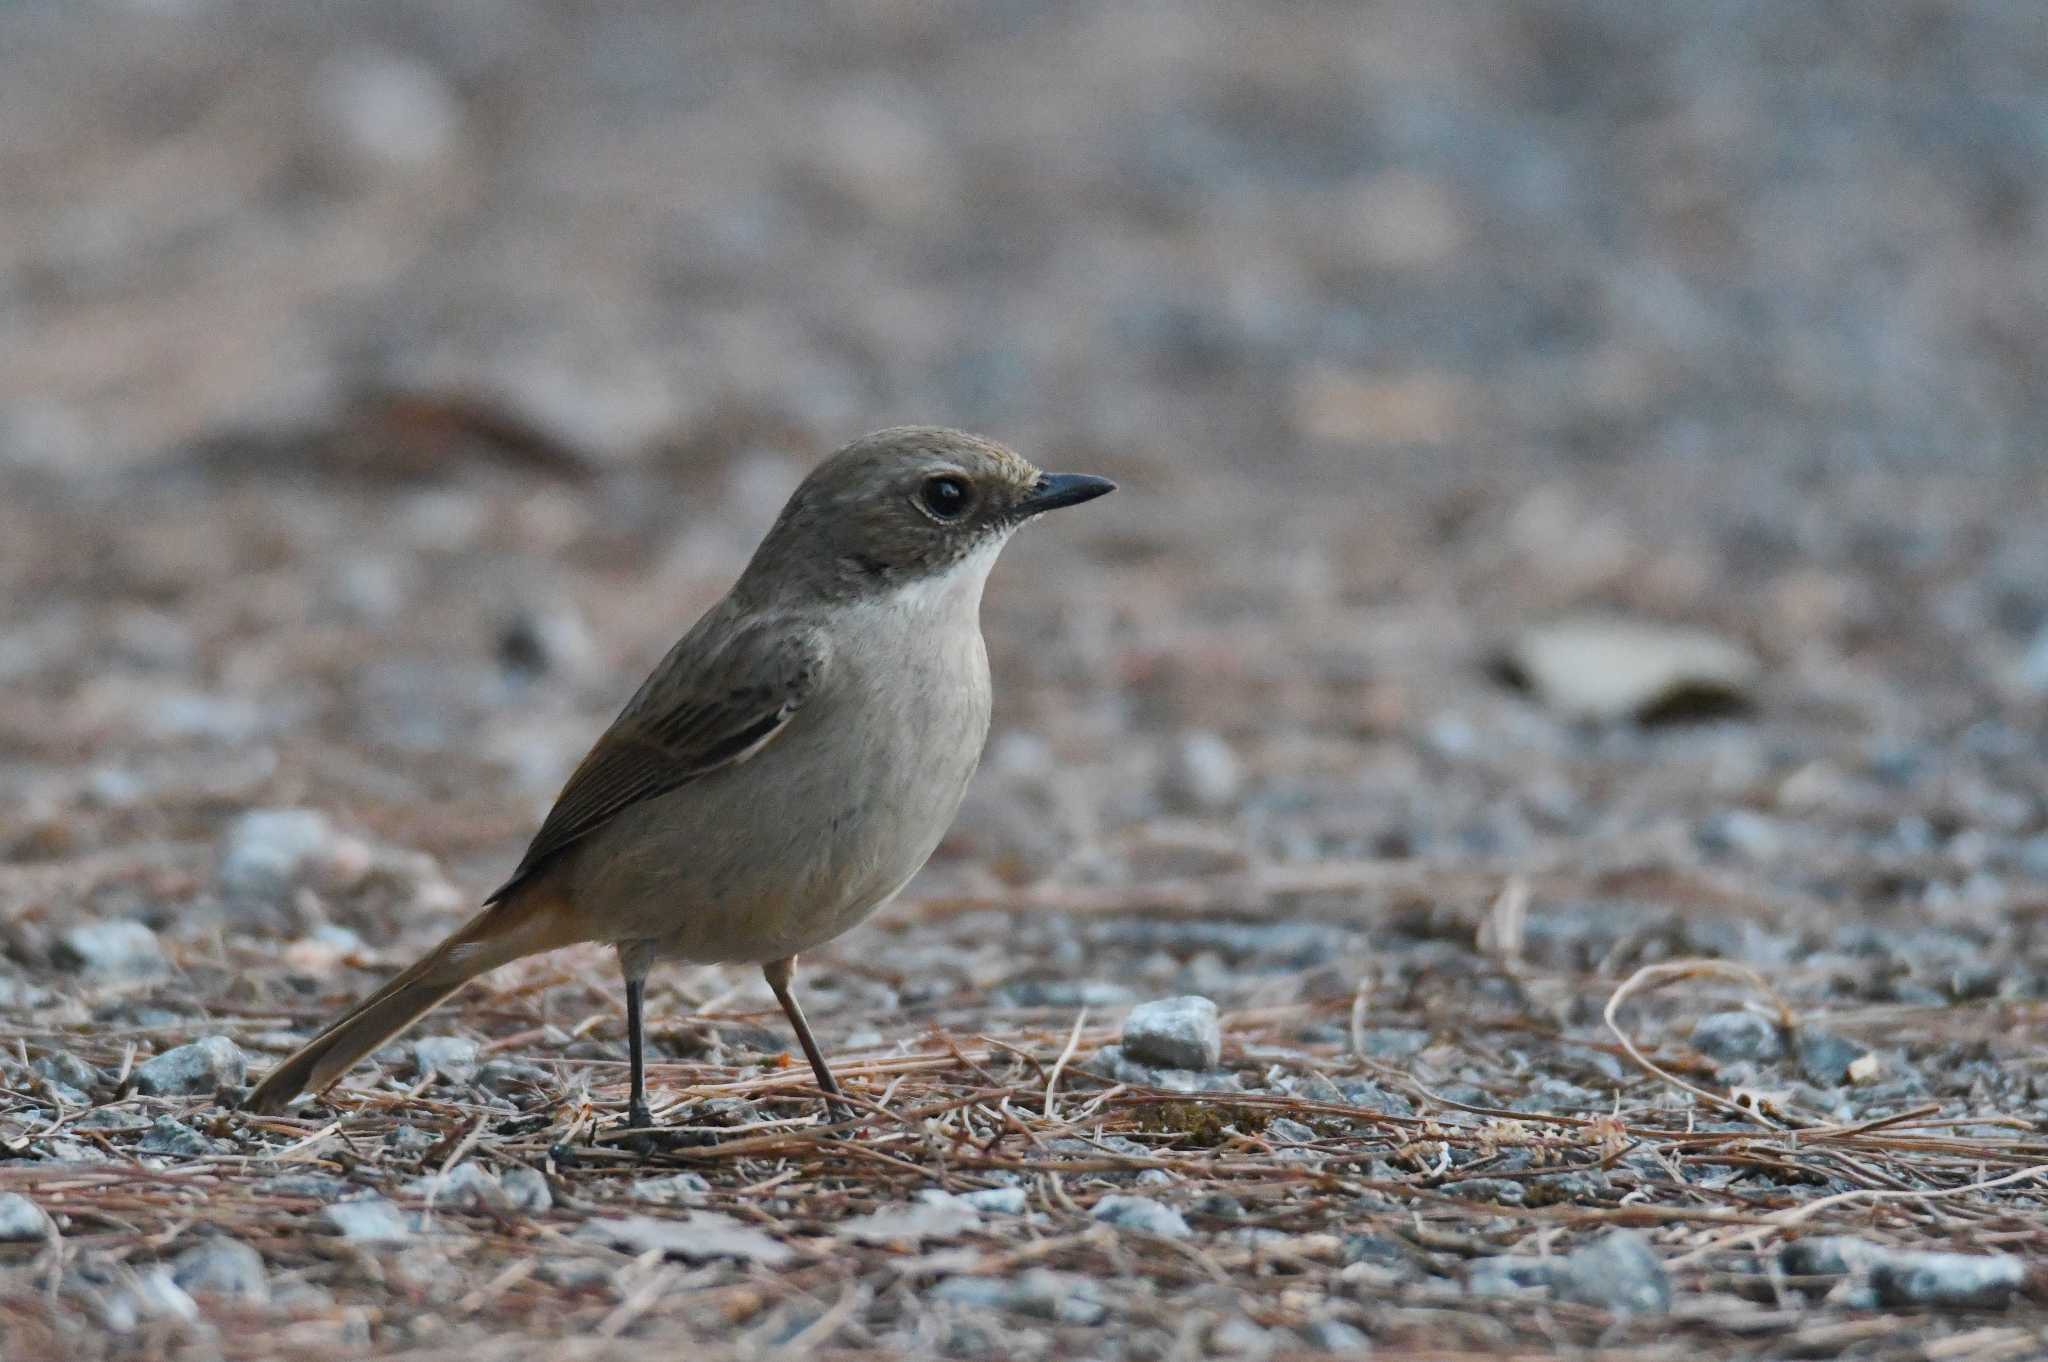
[946, 497]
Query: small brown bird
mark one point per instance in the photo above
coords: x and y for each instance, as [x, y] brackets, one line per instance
[787, 767]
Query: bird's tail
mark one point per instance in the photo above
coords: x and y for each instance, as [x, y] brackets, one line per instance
[505, 931]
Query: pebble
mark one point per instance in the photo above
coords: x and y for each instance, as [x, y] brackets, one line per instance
[1335, 1336]
[1142, 1214]
[1040, 1293]
[698, 1237]
[676, 1188]
[1826, 1059]
[169, 1136]
[1618, 1272]
[1905, 1279]
[222, 1267]
[935, 1214]
[510, 1077]
[454, 1058]
[998, 1200]
[1174, 1033]
[265, 850]
[1202, 773]
[465, 1186]
[1604, 668]
[204, 1067]
[21, 1219]
[385, 109]
[1740, 832]
[61, 1066]
[371, 1220]
[121, 949]
[1738, 1036]
[1112, 1063]
[526, 1189]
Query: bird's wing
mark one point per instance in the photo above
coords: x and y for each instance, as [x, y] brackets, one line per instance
[711, 703]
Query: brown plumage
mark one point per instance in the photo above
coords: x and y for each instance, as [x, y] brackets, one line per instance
[784, 770]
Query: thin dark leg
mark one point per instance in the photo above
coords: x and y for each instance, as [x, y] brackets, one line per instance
[637, 1114]
[778, 973]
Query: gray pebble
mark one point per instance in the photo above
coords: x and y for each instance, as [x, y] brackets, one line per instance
[204, 1067]
[1505, 1191]
[1290, 1131]
[1039, 1293]
[1618, 1272]
[222, 1267]
[526, 1189]
[168, 1136]
[372, 1220]
[120, 949]
[1202, 772]
[1510, 1275]
[21, 1219]
[1948, 1281]
[1825, 1058]
[69, 1070]
[510, 1077]
[265, 849]
[1112, 1063]
[454, 1058]
[998, 1200]
[1738, 1036]
[1174, 1033]
[1740, 832]
[466, 1185]
[1335, 1336]
[1142, 1214]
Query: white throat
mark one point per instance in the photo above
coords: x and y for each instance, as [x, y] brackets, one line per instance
[958, 588]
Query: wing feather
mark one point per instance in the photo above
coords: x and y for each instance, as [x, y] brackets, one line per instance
[712, 703]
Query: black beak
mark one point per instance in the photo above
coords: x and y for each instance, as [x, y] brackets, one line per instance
[1054, 490]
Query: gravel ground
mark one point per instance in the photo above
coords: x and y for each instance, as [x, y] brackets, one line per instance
[1565, 680]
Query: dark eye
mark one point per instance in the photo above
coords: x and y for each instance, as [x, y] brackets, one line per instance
[946, 497]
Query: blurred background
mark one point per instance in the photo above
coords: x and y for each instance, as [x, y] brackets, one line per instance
[1590, 447]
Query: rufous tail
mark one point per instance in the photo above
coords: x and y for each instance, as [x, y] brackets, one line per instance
[501, 933]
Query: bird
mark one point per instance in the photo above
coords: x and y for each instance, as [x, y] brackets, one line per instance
[784, 770]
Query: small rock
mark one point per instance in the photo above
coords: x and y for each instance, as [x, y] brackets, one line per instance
[1826, 1058]
[1039, 1293]
[21, 1219]
[371, 1220]
[676, 1188]
[1142, 1214]
[998, 1200]
[1618, 1272]
[265, 850]
[1738, 1036]
[2031, 672]
[222, 1267]
[61, 1066]
[452, 1057]
[1174, 1033]
[1112, 1063]
[510, 1077]
[1948, 1281]
[1202, 773]
[168, 1136]
[1505, 1191]
[204, 1067]
[934, 1215]
[1740, 832]
[110, 950]
[1239, 1337]
[1335, 1336]
[1510, 1275]
[1289, 1131]
[1604, 668]
[465, 1186]
[701, 1236]
[1904, 1279]
[385, 108]
[526, 1189]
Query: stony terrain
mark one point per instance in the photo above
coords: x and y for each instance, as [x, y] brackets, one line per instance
[1522, 830]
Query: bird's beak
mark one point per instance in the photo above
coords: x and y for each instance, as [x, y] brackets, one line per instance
[1054, 490]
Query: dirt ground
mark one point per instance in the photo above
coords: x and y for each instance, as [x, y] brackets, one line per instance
[383, 387]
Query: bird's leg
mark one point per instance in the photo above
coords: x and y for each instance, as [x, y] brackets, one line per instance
[778, 973]
[637, 1114]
